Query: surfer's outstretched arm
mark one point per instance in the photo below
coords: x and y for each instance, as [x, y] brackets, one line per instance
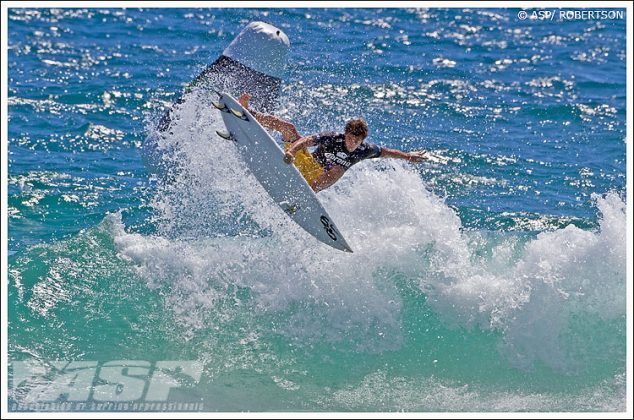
[287, 129]
[417, 156]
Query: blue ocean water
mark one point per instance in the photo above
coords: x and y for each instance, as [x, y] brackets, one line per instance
[495, 282]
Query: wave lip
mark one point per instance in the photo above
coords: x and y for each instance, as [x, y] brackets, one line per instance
[254, 62]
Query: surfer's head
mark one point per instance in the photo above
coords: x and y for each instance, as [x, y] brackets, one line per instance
[356, 130]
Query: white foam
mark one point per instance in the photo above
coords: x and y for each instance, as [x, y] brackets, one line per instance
[224, 232]
[380, 391]
[532, 292]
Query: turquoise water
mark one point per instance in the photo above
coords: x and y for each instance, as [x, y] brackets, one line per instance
[495, 282]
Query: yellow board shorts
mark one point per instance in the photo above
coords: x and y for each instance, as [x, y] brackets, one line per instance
[307, 165]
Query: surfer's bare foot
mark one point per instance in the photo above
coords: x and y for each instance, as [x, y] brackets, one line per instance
[244, 100]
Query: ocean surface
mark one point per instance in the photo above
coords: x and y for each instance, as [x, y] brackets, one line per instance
[495, 282]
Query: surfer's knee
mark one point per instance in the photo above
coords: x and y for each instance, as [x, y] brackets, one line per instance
[290, 133]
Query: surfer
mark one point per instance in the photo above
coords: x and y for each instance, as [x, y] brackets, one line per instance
[335, 153]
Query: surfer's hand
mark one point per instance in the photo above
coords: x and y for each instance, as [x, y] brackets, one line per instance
[288, 158]
[244, 100]
[417, 156]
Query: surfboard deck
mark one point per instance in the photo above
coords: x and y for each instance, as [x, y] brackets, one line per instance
[283, 182]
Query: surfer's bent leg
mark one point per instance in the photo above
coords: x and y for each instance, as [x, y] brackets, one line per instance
[287, 129]
[304, 161]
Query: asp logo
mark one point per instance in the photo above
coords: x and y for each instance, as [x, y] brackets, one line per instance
[113, 381]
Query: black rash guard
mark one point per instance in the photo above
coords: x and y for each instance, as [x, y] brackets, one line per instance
[331, 150]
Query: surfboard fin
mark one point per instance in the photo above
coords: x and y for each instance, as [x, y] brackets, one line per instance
[238, 114]
[225, 135]
[219, 105]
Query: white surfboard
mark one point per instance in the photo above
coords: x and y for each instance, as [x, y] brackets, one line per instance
[283, 182]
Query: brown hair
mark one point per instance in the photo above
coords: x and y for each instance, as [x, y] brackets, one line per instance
[357, 127]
